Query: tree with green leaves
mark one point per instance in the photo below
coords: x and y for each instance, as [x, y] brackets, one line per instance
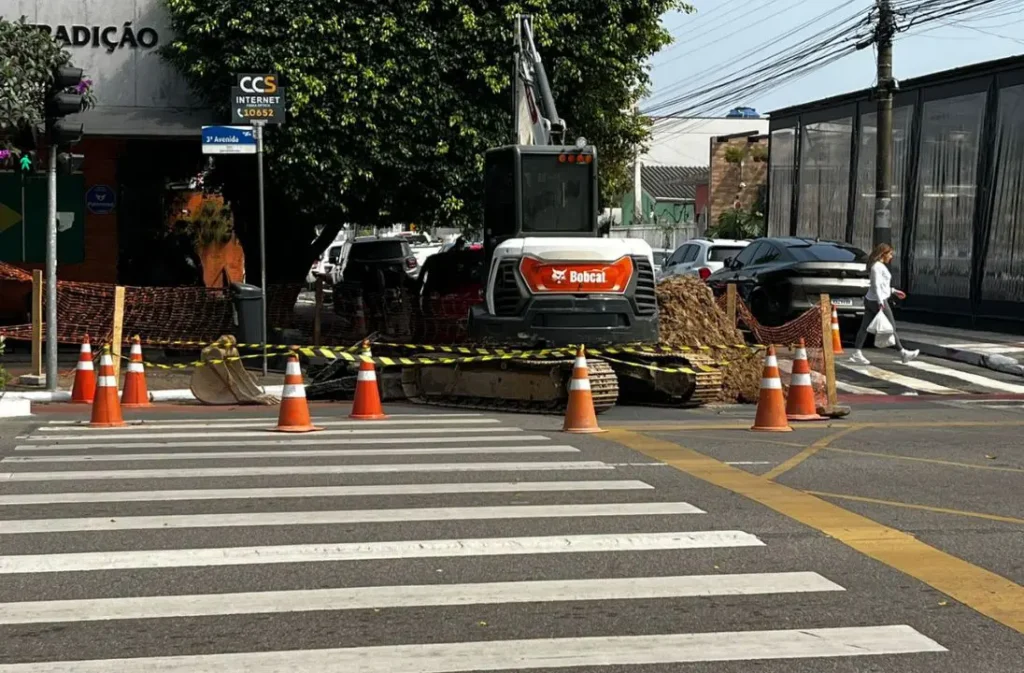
[28, 59]
[392, 103]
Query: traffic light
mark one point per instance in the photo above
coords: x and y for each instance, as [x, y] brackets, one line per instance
[60, 104]
[26, 163]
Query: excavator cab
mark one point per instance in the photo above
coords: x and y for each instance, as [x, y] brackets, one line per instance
[551, 279]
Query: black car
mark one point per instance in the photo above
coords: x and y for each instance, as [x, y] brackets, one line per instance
[780, 278]
[375, 269]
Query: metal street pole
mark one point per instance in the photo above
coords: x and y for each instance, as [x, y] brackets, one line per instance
[24, 220]
[883, 156]
[51, 270]
[257, 131]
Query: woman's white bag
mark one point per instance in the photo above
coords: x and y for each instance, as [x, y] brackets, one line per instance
[885, 334]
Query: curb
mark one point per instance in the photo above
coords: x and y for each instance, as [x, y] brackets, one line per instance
[998, 363]
[12, 407]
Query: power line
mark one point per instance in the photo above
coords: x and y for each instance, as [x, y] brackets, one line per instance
[825, 47]
[756, 49]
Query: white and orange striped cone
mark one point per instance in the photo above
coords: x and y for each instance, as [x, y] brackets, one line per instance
[106, 409]
[800, 404]
[135, 393]
[771, 404]
[579, 413]
[837, 343]
[84, 388]
[366, 404]
[294, 415]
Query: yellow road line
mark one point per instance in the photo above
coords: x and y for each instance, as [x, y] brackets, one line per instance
[934, 461]
[759, 440]
[924, 508]
[820, 444]
[980, 589]
[744, 424]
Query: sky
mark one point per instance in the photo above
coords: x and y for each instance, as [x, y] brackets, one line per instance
[708, 43]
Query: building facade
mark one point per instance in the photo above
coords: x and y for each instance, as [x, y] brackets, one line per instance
[142, 135]
[957, 192]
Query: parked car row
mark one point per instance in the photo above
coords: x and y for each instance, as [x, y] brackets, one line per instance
[778, 278]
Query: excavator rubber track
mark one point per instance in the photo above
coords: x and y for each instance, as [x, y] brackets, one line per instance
[509, 386]
[644, 383]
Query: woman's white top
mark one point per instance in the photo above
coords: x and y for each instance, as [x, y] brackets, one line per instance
[879, 289]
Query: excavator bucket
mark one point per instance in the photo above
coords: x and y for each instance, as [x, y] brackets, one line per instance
[224, 381]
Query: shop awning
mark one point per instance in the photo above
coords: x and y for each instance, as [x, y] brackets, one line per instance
[144, 122]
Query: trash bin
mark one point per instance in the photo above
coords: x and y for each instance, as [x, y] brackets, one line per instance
[248, 304]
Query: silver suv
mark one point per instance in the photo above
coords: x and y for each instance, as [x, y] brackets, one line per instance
[701, 257]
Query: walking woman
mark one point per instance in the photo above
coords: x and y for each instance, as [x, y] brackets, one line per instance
[877, 299]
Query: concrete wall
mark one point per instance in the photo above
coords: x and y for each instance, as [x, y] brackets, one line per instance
[137, 92]
[684, 141]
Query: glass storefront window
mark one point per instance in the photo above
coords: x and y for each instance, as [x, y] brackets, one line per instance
[781, 173]
[825, 179]
[864, 203]
[1004, 263]
[951, 131]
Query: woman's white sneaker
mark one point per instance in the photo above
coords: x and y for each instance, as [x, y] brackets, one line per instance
[858, 358]
[908, 355]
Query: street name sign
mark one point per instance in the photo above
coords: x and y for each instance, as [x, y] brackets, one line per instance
[228, 140]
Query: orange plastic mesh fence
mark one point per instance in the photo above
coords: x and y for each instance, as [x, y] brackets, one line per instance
[785, 337]
[160, 313]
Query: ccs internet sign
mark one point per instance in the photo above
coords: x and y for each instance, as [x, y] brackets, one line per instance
[257, 97]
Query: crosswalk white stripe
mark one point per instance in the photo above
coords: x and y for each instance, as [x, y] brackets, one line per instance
[320, 517]
[262, 423]
[321, 491]
[297, 453]
[976, 379]
[292, 440]
[274, 470]
[248, 419]
[361, 598]
[856, 390]
[502, 655]
[367, 551]
[166, 436]
[899, 379]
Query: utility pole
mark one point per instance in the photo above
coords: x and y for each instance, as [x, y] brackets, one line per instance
[884, 31]
[638, 187]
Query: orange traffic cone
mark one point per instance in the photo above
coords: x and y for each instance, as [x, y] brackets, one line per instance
[800, 404]
[579, 414]
[84, 388]
[366, 405]
[135, 393]
[837, 343]
[106, 410]
[771, 405]
[294, 416]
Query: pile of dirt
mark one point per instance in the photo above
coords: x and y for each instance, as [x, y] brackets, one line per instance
[690, 317]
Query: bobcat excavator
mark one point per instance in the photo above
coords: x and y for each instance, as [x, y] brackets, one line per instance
[551, 280]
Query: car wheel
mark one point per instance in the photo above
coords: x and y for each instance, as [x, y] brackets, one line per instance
[766, 310]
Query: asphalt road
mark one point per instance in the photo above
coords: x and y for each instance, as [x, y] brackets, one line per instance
[495, 542]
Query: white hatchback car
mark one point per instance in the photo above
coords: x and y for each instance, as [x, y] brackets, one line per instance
[701, 257]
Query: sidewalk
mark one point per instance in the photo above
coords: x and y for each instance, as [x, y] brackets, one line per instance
[993, 350]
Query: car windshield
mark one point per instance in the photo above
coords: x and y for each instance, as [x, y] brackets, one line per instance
[720, 253]
[375, 251]
[334, 254]
[820, 252]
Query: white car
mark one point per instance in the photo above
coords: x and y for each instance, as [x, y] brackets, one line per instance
[701, 257]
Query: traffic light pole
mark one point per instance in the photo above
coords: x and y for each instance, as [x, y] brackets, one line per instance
[24, 221]
[52, 375]
[257, 130]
